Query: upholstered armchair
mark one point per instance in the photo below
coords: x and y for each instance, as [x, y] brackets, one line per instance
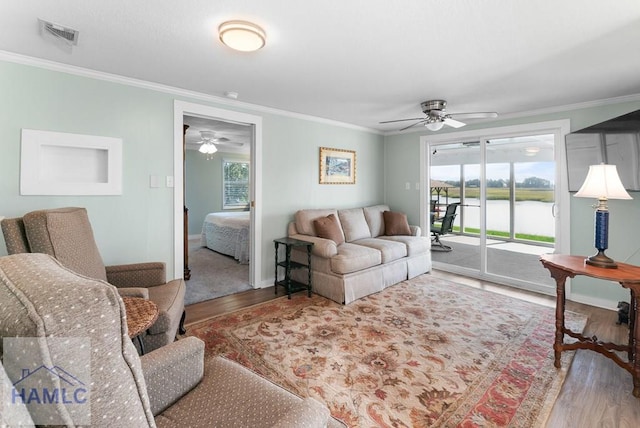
[49, 305]
[66, 234]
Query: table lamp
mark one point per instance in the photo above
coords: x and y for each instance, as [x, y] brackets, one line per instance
[603, 183]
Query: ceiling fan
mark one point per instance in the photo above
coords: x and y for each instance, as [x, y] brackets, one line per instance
[209, 142]
[437, 117]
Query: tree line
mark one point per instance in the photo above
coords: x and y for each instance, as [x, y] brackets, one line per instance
[527, 183]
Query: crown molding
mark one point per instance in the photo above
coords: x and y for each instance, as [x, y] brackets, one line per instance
[129, 81]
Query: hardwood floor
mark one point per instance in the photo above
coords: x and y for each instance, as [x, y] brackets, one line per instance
[596, 392]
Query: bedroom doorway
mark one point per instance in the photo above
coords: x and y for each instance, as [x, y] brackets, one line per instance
[218, 164]
[217, 173]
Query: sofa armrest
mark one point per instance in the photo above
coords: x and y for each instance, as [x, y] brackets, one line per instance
[172, 371]
[137, 274]
[415, 230]
[134, 292]
[321, 247]
[308, 413]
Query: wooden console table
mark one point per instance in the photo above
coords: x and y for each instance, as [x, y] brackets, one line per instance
[563, 267]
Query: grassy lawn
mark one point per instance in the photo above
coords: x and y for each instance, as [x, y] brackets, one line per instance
[493, 193]
[501, 234]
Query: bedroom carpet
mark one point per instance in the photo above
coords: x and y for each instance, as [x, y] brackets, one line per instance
[425, 352]
[213, 274]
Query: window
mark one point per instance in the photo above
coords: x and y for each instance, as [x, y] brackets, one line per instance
[235, 184]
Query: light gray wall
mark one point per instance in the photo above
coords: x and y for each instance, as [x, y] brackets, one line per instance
[402, 164]
[138, 225]
[204, 185]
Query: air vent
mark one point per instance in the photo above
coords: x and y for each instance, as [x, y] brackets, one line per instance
[68, 35]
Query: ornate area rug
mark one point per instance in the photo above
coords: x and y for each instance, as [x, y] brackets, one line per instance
[423, 353]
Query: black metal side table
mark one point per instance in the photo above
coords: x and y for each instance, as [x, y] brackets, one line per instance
[290, 285]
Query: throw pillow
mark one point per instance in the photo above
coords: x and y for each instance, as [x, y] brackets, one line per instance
[396, 223]
[328, 228]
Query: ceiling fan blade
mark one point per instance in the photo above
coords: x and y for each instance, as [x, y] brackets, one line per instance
[411, 126]
[475, 115]
[228, 143]
[402, 120]
[453, 123]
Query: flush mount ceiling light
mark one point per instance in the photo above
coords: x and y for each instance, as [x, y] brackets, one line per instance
[242, 35]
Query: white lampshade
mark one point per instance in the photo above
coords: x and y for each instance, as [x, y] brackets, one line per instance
[434, 126]
[603, 182]
[242, 35]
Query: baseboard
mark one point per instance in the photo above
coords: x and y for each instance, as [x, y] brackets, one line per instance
[594, 301]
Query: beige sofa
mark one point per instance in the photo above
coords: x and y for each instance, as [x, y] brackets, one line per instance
[367, 262]
[48, 307]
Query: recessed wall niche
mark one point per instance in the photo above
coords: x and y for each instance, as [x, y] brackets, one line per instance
[58, 163]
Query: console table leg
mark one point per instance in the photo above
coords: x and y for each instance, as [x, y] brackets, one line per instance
[634, 341]
[561, 279]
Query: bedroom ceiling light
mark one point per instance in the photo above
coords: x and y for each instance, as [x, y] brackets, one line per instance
[208, 149]
[242, 35]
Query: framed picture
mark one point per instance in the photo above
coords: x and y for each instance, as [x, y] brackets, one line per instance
[337, 166]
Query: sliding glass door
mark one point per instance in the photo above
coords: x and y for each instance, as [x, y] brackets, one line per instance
[505, 190]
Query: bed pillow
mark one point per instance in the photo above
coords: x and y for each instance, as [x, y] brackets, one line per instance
[329, 228]
[396, 223]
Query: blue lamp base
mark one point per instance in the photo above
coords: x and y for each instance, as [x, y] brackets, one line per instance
[601, 242]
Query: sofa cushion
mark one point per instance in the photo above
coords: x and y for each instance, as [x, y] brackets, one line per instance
[304, 219]
[354, 224]
[415, 244]
[353, 257]
[389, 250]
[375, 220]
[329, 228]
[396, 223]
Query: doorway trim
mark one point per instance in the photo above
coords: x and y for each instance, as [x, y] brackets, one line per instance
[182, 108]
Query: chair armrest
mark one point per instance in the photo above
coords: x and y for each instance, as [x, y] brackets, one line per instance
[134, 292]
[137, 274]
[308, 413]
[321, 247]
[415, 230]
[171, 371]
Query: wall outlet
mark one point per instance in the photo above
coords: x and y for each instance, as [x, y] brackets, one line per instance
[407, 186]
[154, 181]
[169, 180]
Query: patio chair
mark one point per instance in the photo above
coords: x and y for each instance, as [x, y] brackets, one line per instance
[446, 226]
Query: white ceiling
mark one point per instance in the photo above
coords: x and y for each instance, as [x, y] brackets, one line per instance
[357, 61]
[239, 135]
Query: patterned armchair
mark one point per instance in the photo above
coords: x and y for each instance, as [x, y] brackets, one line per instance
[48, 306]
[66, 234]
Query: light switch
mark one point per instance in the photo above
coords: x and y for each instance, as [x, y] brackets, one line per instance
[407, 186]
[417, 186]
[154, 182]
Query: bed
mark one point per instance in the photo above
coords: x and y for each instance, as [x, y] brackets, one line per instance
[228, 233]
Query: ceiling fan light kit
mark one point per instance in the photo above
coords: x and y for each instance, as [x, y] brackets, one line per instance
[242, 35]
[434, 126]
[437, 117]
